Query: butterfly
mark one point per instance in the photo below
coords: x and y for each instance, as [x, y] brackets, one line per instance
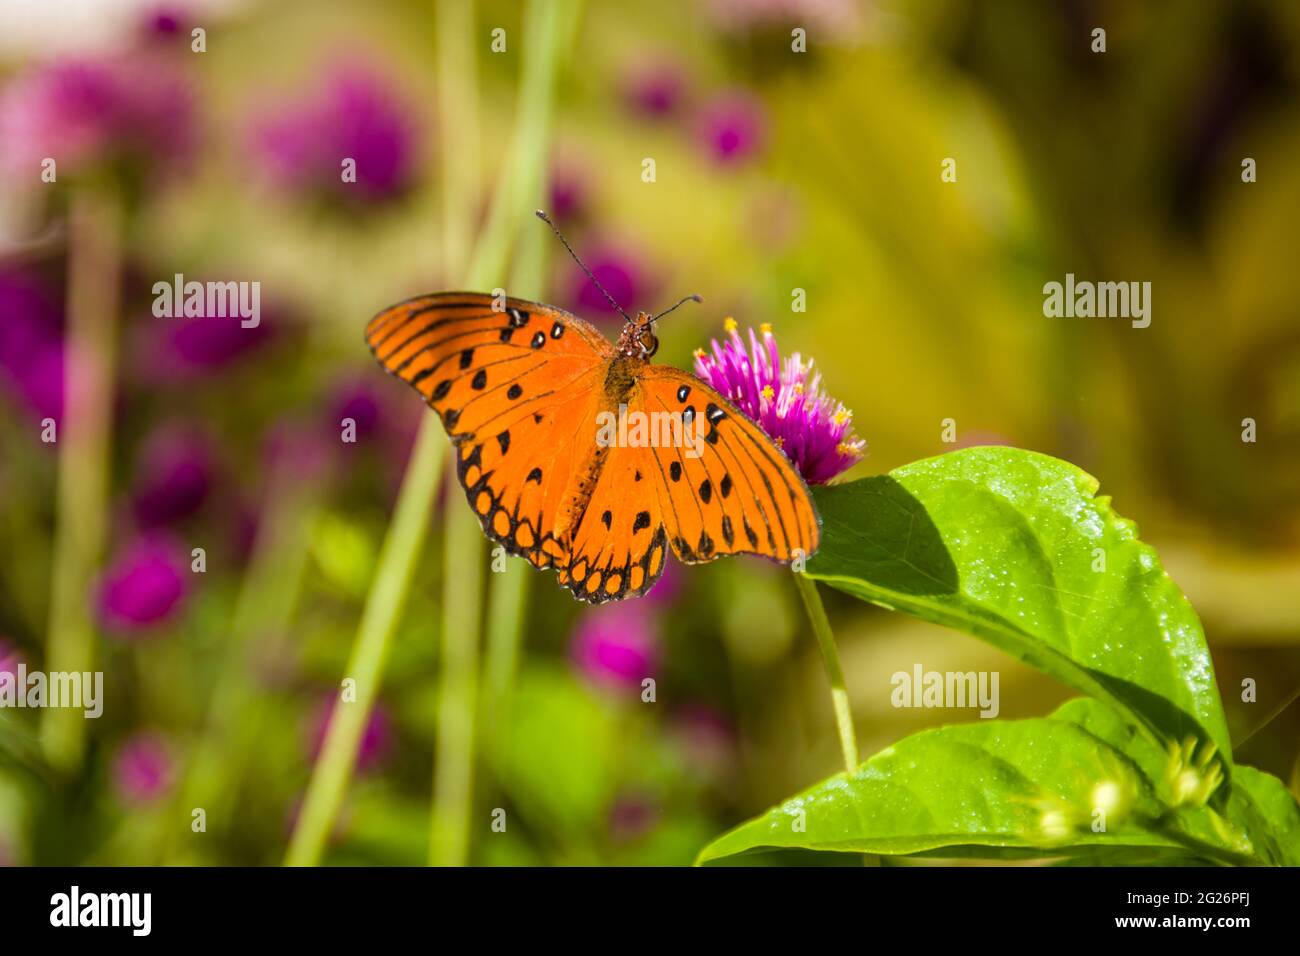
[528, 394]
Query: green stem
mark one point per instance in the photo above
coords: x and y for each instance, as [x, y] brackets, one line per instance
[821, 626]
[462, 599]
[397, 559]
[93, 298]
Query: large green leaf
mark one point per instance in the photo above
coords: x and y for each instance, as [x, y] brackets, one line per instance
[999, 786]
[1015, 548]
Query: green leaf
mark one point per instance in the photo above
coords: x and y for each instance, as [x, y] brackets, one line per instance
[1268, 812]
[1008, 545]
[991, 788]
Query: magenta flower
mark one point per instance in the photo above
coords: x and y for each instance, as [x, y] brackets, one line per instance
[654, 89]
[143, 587]
[615, 269]
[569, 192]
[376, 739]
[143, 769]
[10, 658]
[786, 400]
[86, 113]
[173, 476]
[31, 344]
[181, 349]
[355, 117]
[733, 127]
[616, 647]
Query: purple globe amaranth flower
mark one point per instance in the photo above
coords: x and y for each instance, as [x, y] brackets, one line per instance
[785, 399]
[654, 89]
[143, 769]
[615, 646]
[616, 269]
[31, 344]
[174, 476]
[85, 113]
[143, 587]
[356, 121]
[376, 739]
[732, 127]
[569, 192]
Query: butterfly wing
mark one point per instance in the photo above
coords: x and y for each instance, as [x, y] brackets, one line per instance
[518, 391]
[732, 492]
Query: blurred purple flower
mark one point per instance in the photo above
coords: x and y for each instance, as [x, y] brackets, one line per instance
[143, 769]
[173, 476]
[732, 127]
[356, 116]
[668, 587]
[616, 270]
[178, 349]
[357, 399]
[654, 89]
[632, 816]
[163, 21]
[786, 400]
[143, 587]
[31, 346]
[376, 738]
[569, 192]
[90, 111]
[10, 657]
[615, 646]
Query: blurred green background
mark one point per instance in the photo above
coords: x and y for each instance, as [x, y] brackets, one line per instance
[774, 171]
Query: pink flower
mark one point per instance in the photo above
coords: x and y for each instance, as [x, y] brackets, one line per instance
[733, 127]
[376, 739]
[143, 770]
[143, 587]
[786, 400]
[89, 112]
[615, 646]
[351, 115]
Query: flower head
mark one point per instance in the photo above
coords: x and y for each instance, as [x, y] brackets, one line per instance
[31, 344]
[785, 399]
[142, 769]
[615, 646]
[90, 111]
[654, 89]
[617, 271]
[733, 127]
[143, 587]
[174, 476]
[353, 141]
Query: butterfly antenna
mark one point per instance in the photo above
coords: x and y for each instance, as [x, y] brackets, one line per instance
[541, 214]
[689, 298]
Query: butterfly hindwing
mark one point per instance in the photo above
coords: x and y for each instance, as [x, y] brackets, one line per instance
[733, 491]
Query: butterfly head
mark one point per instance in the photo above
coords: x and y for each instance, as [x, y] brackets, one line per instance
[638, 339]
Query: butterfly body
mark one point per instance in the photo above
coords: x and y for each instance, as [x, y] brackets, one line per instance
[524, 390]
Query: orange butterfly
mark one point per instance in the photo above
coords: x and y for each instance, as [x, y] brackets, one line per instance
[543, 412]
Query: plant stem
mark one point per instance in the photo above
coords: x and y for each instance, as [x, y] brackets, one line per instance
[548, 25]
[90, 359]
[462, 598]
[397, 559]
[821, 626]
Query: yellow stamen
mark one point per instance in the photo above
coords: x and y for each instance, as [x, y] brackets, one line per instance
[767, 392]
[699, 353]
[842, 416]
[780, 442]
[798, 388]
[729, 324]
[766, 328]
